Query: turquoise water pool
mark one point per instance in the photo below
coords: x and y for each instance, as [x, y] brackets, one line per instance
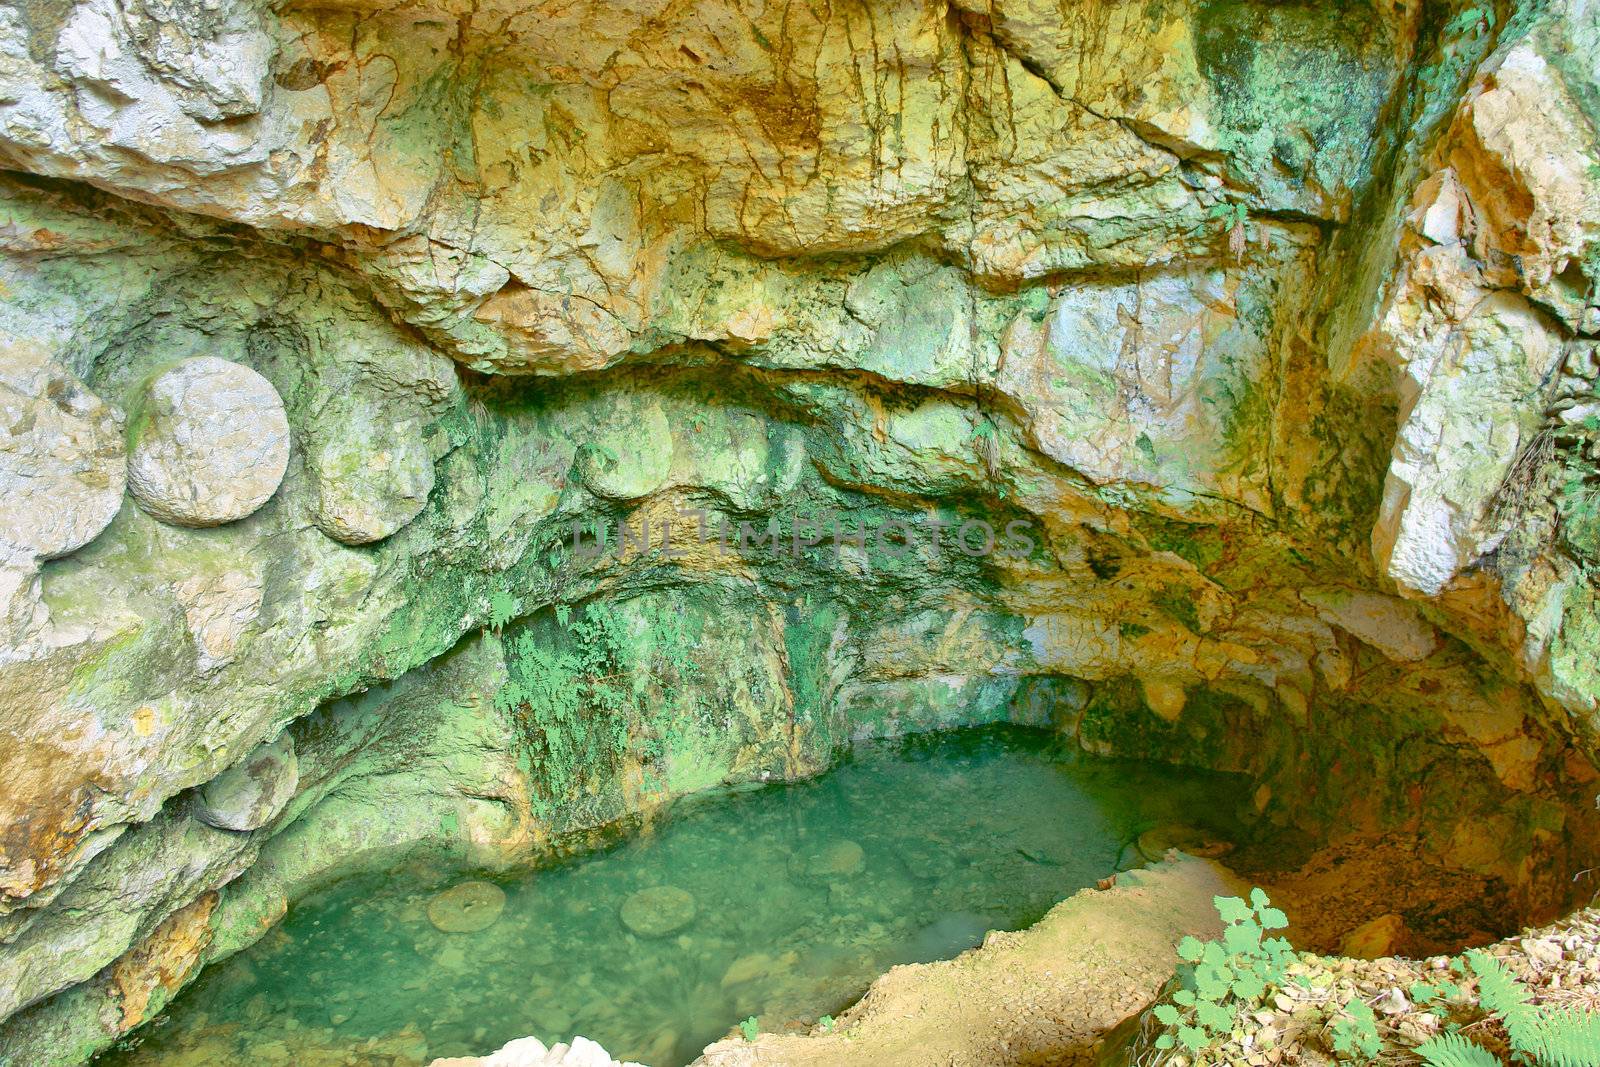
[782, 902]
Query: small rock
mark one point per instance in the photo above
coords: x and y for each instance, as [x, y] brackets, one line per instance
[1544, 953]
[1418, 1028]
[467, 908]
[1374, 939]
[1392, 1002]
[658, 911]
[1155, 842]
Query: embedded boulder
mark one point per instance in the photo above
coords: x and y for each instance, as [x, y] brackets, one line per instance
[371, 478]
[250, 794]
[209, 443]
[62, 465]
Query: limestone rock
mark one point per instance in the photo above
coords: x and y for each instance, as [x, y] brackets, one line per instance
[210, 443]
[1525, 149]
[251, 794]
[371, 476]
[1393, 627]
[658, 911]
[827, 861]
[1474, 406]
[1383, 936]
[467, 908]
[62, 466]
[899, 260]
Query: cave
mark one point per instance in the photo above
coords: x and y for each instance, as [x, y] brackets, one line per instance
[879, 532]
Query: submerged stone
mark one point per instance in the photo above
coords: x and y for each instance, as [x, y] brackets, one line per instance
[835, 859]
[658, 911]
[467, 908]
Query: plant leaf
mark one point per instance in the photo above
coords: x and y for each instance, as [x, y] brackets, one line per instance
[1232, 909]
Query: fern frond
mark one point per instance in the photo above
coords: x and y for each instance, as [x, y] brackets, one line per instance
[1453, 1050]
[1568, 1037]
[1502, 994]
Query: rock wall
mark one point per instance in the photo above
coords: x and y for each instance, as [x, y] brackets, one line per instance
[1270, 326]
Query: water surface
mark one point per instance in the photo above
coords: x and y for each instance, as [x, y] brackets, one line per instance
[802, 894]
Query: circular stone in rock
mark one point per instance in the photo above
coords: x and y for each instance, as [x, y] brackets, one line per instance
[372, 475]
[629, 454]
[658, 911]
[210, 443]
[827, 861]
[467, 908]
[62, 466]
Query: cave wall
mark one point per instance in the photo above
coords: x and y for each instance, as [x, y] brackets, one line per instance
[1271, 323]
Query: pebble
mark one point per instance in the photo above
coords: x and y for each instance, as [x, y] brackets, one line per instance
[1392, 1002]
[1545, 953]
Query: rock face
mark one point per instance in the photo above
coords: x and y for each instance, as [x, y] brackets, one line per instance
[210, 443]
[1213, 383]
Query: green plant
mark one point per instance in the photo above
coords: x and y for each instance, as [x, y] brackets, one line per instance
[604, 455]
[826, 1022]
[1219, 979]
[1432, 995]
[599, 683]
[1355, 1032]
[1453, 1050]
[1557, 1037]
[750, 1028]
[986, 440]
[502, 609]
[1578, 502]
[1470, 22]
[1233, 218]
